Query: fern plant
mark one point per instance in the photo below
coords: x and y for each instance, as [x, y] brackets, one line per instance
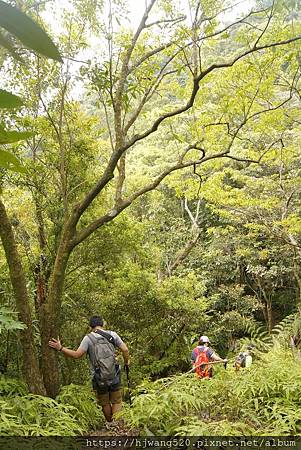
[8, 319]
[86, 411]
[22, 414]
[282, 332]
[34, 415]
[262, 400]
[10, 387]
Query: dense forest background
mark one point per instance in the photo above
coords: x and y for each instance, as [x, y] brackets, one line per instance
[150, 173]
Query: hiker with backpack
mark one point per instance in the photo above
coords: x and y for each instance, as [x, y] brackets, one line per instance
[202, 356]
[101, 346]
[244, 359]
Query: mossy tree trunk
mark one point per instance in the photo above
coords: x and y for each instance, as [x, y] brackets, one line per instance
[30, 360]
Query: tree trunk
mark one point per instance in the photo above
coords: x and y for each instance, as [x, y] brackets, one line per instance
[268, 306]
[30, 362]
[50, 311]
[183, 254]
[49, 361]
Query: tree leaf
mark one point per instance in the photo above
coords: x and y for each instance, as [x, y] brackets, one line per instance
[9, 161]
[27, 31]
[8, 137]
[5, 43]
[9, 101]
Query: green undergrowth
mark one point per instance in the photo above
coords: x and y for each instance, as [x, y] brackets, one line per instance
[87, 412]
[262, 400]
[73, 413]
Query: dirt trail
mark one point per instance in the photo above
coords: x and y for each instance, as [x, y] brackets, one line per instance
[114, 429]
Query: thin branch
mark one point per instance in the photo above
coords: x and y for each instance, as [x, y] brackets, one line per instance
[196, 217]
[256, 161]
[82, 264]
[107, 119]
[221, 11]
[148, 55]
[287, 203]
[148, 94]
[253, 97]
[38, 4]
[110, 45]
[183, 253]
[74, 60]
[172, 21]
[188, 63]
[215, 124]
[252, 25]
[49, 117]
[188, 211]
[193, 218]
[274, 108]
[76, 187]
[266, 25]
[125, 67]
[237, 22]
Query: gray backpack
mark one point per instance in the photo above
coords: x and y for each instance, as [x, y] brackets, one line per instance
[102, 356]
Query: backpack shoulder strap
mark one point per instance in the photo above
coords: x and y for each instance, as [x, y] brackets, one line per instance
[198, 350]
[92, 338]
[106, 335]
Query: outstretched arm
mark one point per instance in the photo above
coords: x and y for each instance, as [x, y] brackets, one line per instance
[215, 357]
[56, 344]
